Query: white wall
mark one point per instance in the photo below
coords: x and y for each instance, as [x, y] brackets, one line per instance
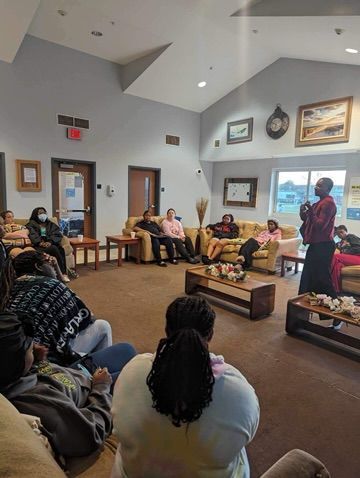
[46, 79]
[290, 83]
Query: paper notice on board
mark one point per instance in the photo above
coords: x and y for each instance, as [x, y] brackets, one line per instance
[353, 203]
[29, 175]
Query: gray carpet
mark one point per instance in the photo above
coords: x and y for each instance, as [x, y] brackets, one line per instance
[309, 396]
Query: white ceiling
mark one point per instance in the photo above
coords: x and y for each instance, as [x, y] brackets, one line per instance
[202, 34]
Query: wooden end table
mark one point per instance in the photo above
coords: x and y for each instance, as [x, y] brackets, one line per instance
[86, 243]
[297, 257]
[122, 241]
[262, 294]
[299, 311]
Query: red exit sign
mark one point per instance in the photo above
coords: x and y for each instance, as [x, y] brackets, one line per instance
[73, 133]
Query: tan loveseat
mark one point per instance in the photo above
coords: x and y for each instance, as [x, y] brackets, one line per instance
[146, 250]
[350, 280]
[267, 259]
[24, 454]
[65, 243]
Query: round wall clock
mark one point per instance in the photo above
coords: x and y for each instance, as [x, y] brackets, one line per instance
[278, 123]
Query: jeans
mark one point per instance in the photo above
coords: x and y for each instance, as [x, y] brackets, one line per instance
[167, 242]
[185, 249]
[114, 358]
[97, 336]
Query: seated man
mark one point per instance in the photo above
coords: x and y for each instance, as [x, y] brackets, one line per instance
[253, 244]
[157, 238]
[73, 405]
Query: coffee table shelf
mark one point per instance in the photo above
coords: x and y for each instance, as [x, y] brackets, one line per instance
[262, 294]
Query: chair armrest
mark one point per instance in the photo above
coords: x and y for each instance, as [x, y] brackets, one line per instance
[146, 249]
[192, 233]
[278, 248]
[65, 244]
[297, 464]
[205, 237]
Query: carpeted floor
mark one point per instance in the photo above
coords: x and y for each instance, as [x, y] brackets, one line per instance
[309, 396]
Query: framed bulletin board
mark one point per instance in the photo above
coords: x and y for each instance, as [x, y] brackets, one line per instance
[240, 192]
[28, 175]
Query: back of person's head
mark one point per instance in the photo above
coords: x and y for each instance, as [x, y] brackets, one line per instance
[35, 213]
[181, 378]
[328, 183]
[15, 341]
[28, 262]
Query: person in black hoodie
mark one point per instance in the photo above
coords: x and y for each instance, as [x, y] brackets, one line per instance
[73, 405]
[46, 236]
[223, 231]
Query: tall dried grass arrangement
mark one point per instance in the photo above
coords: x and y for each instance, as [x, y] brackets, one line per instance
[201, 206]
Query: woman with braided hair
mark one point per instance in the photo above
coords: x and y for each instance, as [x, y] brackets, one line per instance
[183, 412]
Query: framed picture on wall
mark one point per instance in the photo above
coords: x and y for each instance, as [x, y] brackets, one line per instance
[240, 192]
[28, 175]
[240, 131]
[324, 123]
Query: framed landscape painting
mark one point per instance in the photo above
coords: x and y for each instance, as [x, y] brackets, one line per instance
[324, 123]
[240, 131]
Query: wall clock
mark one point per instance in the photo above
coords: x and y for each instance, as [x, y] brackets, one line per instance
[278, 123]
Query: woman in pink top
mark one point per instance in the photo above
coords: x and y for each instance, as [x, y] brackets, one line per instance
[172, 228]
[253, 244]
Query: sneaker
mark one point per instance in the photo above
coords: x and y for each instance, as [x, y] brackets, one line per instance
[65, 278]
[240, 259]
[162, 264]
[174, 262]
[206, 260]
[336, 325]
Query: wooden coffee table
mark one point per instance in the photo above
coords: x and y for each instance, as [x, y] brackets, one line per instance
[299, 311]
[262, 294]
[297, 257]
[122, 241]
[86, 243]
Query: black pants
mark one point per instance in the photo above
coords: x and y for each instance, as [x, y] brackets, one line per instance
[186, 248]
[167, 242]
[316, 276]
[246, 250]
[58, 252]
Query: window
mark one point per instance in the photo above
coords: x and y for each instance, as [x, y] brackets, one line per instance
[295, 187]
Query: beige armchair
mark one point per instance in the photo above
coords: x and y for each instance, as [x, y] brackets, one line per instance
[65, 243]
[146, 250]
[269, 259]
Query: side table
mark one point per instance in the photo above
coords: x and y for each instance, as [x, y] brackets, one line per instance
[86, 243]
[122, 241]
[297, 257]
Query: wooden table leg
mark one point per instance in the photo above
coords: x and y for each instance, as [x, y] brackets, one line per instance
[282, 267]
[138, 250]
[119, 254]
[97, 256]
[107, 250]
[127, 252]
[85, 255]
[296, 267]
[75, 257]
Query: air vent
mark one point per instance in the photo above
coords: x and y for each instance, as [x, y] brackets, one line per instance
[173, 140]
[81, 123]
[217, 143]
[65, 120]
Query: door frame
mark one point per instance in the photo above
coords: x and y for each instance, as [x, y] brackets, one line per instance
[92, 165]
[157, 172]
[3, 182]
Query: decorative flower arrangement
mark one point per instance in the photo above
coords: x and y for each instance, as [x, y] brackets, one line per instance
[227, 271]
[341, 305]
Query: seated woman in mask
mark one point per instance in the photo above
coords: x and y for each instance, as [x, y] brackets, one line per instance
[46, 236]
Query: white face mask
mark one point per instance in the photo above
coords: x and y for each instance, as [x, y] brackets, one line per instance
[42, 217]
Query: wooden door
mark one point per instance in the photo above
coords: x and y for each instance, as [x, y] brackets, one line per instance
[143, 191]
[73, 198]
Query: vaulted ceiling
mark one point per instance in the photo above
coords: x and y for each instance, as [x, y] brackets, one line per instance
[169, 46]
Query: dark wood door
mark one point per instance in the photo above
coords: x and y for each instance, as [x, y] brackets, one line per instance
[73, 201]
[143, 191]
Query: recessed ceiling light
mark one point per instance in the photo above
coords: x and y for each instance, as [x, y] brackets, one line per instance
[96, 33]
[202, 84]
[351, 50]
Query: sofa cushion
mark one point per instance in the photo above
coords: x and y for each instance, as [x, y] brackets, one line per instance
[247, 229]
[350, 271]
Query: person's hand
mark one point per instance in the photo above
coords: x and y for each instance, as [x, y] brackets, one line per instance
[102, 375]
[40, 352]
[45, 244]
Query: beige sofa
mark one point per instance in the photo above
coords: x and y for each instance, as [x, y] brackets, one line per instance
[65, 243]
[146, 250]
[350, 280]
[268, 259]
[24, 454]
